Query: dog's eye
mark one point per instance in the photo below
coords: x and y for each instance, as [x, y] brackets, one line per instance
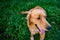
[38, 18]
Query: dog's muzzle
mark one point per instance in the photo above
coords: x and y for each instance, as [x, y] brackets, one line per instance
[41, 30]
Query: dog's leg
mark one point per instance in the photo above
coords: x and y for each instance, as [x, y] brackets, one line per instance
[32, 37]
[42, 36]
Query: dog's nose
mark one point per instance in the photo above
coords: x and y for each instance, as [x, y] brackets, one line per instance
[48, 27]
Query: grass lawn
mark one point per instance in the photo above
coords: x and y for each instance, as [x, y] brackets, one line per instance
[13, 25]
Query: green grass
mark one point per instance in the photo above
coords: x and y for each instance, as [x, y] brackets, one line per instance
[13, 25]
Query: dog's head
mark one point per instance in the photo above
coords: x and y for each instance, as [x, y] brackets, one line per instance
[37, 16]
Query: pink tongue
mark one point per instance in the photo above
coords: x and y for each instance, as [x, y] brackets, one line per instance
[42, 31]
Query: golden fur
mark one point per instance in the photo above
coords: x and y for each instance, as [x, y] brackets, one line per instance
[37, 16]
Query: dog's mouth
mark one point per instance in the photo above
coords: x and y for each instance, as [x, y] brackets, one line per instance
[40, 29]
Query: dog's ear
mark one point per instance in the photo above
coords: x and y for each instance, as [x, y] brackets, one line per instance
[25, 12]
[29, 19]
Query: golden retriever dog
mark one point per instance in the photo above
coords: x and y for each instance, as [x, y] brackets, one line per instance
[36, 21]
